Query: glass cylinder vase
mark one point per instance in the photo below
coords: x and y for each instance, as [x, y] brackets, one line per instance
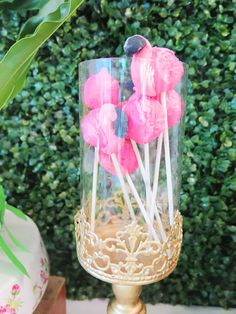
[129, 229]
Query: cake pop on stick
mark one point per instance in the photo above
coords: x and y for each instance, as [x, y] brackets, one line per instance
[94, 127]
[174, 113]
[168, 72]
[145, 123]
[98, 130]
[143, 78]
[122, 163]
[158, 73]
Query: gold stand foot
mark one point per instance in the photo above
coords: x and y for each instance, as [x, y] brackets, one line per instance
[126, 300]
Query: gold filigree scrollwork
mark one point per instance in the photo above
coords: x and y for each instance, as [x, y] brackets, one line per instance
[126, 253]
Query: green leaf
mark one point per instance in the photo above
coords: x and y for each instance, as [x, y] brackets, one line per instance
[24, 5]
[20, 78]
[17, 212]
[30, 26]
[2, 205]
[15, 261]
[16, 242]
[17, 59]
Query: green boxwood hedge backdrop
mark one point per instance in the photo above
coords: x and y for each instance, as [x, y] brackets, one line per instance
[39, 138]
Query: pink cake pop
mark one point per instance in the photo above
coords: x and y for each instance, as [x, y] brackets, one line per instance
[100, 88]
[153, 70]
[106, 129]
[145, 119]
[126, 158]
[98, 129]
[174, 107]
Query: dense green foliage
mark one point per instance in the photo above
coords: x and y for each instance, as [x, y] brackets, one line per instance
[39, 136]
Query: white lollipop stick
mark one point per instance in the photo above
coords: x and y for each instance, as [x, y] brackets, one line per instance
[140, 204]
[156, 174]
[167, 162]
[94, 188]
[160, 225]
[123, 187]
[139, 159]
[142, 170]
[147, 169]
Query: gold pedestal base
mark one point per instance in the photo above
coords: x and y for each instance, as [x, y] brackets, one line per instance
[123, 253]
[126, 300]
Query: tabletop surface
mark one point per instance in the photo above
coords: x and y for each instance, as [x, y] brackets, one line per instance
[99, 307]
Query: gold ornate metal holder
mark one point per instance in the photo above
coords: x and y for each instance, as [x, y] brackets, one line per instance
[125, 254]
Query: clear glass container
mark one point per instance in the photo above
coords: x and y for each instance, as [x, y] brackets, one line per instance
[131, 124]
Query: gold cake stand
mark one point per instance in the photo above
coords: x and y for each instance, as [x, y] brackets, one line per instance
[124, 254]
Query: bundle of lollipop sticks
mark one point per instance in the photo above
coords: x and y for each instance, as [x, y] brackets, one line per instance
[118, 130]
